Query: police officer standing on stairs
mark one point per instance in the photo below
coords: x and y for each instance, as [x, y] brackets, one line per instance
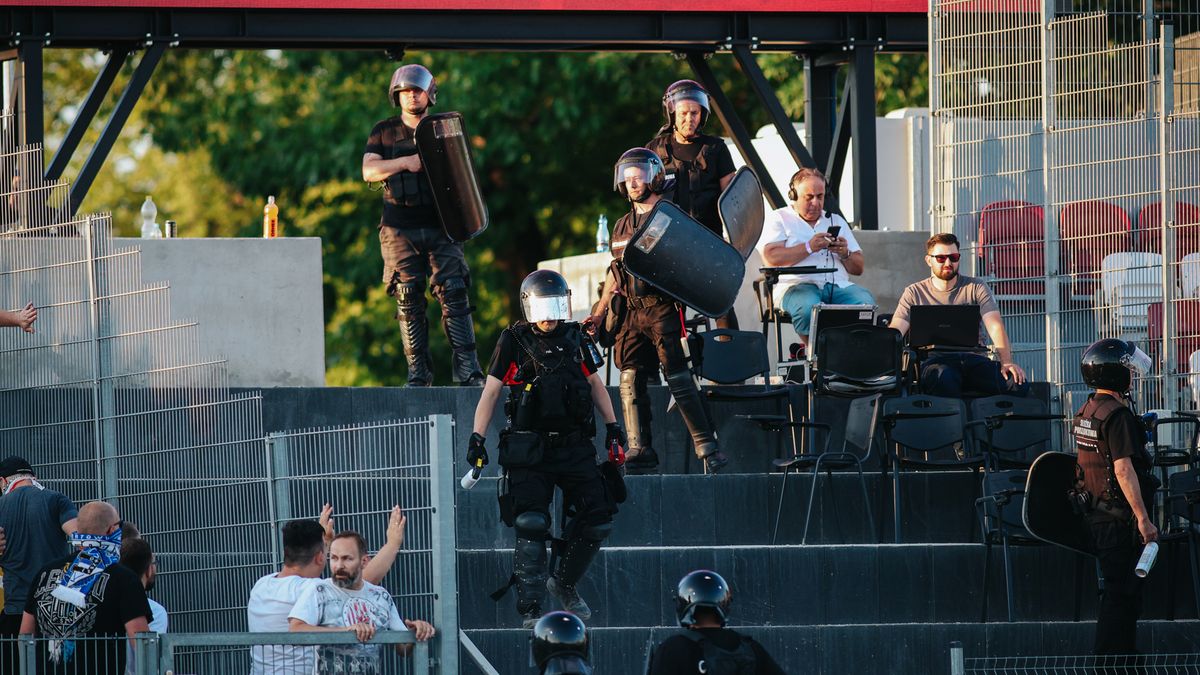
[550, 369]
[700, 165]
[1114, 487]
[414, 244]
[702, 602]
[650, 326]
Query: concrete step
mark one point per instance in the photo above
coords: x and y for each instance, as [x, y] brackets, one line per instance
[727, 509]
[895, 649]
[818, 585]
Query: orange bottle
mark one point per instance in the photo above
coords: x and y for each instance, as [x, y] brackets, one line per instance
[270, 219]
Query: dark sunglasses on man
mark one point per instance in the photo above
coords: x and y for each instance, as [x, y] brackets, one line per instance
[941, 258]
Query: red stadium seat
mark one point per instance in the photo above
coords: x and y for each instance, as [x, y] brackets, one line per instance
[1011, 239]
[1187, 229]
[1088, 232]
[1187, 328]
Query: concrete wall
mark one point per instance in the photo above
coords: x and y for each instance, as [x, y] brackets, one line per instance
[894, 260]
[258, 303]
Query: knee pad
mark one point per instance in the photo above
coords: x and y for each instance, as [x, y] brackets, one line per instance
[452, 293]
[596, 531]
[629, 382]
[533, 525]
[410, 299]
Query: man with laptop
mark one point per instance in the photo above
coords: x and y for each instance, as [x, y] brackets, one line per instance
[941, 316]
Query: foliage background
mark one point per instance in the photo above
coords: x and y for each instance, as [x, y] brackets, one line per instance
[217, 131]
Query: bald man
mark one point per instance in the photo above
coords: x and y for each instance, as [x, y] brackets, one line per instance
[87, 594]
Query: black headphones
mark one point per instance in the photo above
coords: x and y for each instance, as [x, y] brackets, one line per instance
[792, 196]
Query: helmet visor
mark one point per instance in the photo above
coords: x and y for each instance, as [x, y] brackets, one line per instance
[546, 308]
[694, 95]
[634, 175]
[1138, 361]
[412, 77]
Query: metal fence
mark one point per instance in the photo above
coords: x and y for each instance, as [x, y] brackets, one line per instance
[1136, 664]
[219, 654]
[1066, 159]
[114, 398]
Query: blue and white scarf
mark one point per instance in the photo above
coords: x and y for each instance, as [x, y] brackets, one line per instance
[96, 553]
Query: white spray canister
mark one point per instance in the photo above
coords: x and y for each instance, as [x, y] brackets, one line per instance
[1147, 560]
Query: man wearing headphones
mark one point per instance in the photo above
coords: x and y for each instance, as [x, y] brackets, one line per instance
[411, 238]
[806, 234]
[700, 165]
[650, 327]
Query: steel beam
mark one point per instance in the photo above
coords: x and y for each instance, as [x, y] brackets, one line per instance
[840, 145]
[766, 95]
[820, 109]
[862, 122]
[108, 137]
[100, 89]
[729, 117]
[32, 129]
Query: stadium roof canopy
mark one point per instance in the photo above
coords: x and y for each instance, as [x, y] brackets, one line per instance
[825, 34]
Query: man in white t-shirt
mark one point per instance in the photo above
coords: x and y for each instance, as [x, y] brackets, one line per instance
[304, 553]
[799, 235]
[348, 603]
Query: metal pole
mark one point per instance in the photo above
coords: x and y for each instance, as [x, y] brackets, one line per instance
[270, 444]
[956, 659]
[1166, 51]
[1050, 211]
[936, 207]
[30, 116]
[281, 507]
[862, 133]
[445, 560]
[87, 112]
[89, 239]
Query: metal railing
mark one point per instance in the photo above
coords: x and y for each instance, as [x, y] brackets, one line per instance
[220, 654]
[1132, 664]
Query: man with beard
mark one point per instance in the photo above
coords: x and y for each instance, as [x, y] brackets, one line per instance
[414, 244]
[649, 333]
[348, 603]
[700, 165]
[951, 373]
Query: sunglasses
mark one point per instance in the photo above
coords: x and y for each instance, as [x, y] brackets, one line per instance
[954, 257]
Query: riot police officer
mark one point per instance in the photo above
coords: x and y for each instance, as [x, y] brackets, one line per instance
[702, 601]
[1114, 486]
[411, 238]
[701, 165]
[550, 370]
[649, 326]
[560, 645]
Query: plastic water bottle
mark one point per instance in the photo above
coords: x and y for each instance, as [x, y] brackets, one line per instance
[270, 219]
[602, 234]
[1147, 560]
[149, 214]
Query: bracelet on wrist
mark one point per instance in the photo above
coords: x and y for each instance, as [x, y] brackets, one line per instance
[808, 247]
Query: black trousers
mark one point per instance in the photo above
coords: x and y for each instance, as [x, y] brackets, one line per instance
[572, 469]
[420, 254]
[1117, 545]
[649, 337]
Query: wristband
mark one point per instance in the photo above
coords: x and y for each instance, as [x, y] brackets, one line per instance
[808, 248]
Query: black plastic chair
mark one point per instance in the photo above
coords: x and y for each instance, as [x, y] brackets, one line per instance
[1010, 431]
[924, 432]
[1182, 506]
[856, 448]
[857, 360]
[764, 294]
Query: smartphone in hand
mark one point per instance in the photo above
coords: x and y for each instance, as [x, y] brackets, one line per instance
[834, 231]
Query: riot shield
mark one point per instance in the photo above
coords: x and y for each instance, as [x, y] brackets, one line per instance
[683, 259]
[1047, 512]
[445, 152]
[741, 209]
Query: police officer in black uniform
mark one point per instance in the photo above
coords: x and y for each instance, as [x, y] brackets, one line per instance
[700, 165]
[702, 602]
[560, 645]
[550, 369]
[650, 329]
[1114, 487]
[415, 247]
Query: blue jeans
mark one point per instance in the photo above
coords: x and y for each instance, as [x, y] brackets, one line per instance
[951, 373]
[800, 298]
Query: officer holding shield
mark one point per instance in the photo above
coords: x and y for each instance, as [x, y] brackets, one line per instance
[415, 247]
[1114, 487]
[649, 327]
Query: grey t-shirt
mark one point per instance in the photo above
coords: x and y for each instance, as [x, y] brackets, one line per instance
[32, 520]
[965, 291]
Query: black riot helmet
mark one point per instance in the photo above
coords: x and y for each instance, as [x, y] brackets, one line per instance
[412, 76]
[545, 296]
[685, 90]
[1110, 364]
[653, 173]
[560, 645]
[702, 588]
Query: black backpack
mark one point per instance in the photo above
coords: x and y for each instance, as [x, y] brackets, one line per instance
[717, 661]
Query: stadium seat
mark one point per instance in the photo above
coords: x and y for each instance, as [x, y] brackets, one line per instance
[1090, 231]
[1011, 240]
[1129, 282]
[1189, 276]
[1187, 330]
[1187, 229]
